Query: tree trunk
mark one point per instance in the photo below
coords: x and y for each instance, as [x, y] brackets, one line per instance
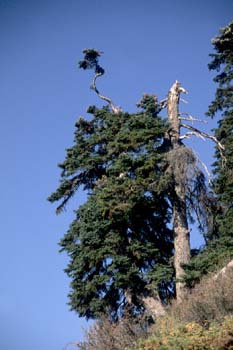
[181, 242]
[154, 307]
[180, 222]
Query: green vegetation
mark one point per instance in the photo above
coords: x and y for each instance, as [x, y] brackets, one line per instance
[113, 248]
[219, 248]
[204, 321]
[222, 62]
[191, 336]
[140, 178]
[129, 242]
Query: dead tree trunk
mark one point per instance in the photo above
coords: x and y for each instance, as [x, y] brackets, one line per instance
[153, 305]
[180, 222]
[181, 241]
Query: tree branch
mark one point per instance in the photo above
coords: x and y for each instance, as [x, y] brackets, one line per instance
[90, 61]
[74, 183]
[206, 170]
[191, 118]
[115, 109]
[163, 103]
[191, 133]
[183, 100]
[204, 167]
[204, 135]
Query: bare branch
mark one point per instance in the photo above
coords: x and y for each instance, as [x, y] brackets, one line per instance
[204, 134]
[90, 61]
[163, 103]
[115, 109]
[184, 101]
[190, 118]
[181, 89]
[206, 170]
[208, 136]
[204, 167]
[191, 133]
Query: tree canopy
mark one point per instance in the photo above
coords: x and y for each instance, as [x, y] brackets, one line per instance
[130, 240]
[220, 244]
[222, 62]
[120, 239]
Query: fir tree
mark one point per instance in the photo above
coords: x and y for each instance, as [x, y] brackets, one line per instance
[119, 243]
[219, 246]
[140, 178]
[222, 62]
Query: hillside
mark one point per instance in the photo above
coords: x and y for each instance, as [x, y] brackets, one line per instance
[203, 321]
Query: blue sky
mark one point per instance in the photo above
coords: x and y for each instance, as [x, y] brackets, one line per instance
[147, 46]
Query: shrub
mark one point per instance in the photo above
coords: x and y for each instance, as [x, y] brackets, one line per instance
[204, 321]
[106, 335]
[211, 300]
[171, 335]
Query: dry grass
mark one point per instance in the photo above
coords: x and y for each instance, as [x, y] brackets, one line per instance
[211, 300]
[105, 335]
[204, 321]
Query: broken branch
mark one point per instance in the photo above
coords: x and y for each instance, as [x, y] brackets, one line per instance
[203, 134]
[191, 133]
[163, 103]
[191, 118]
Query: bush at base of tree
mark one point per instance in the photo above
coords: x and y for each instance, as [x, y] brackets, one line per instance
[170, 335]
[204, 321]
[106, 335]
[210, 300]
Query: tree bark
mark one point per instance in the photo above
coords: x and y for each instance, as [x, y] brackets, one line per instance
[181, 242]
[154, 307]
[180, 222]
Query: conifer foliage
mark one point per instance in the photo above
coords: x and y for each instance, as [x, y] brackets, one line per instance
[219, 248]
[143, 185]
[119, 243]
[222, 62]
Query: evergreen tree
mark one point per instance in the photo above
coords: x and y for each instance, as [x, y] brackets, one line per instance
[219, 247]
[140, 178]
[222, 62]
[119, 243]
